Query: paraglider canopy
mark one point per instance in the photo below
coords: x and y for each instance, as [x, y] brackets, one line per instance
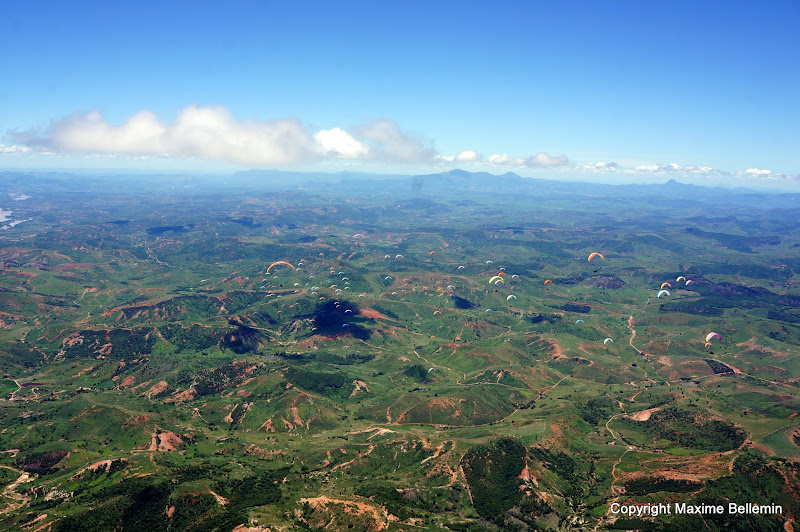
[279, 263]
[596, 254]
[608, 340]
[661, 293]
[665, 284]
[711, 335]
[548, 281]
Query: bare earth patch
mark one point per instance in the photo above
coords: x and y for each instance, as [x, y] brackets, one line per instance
[359, 385]
[156, 389]
[644, 415]
[379, 521]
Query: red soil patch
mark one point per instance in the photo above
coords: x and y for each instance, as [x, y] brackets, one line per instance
[157, 388]
[372, 314]
[187, 395]
[167, 441]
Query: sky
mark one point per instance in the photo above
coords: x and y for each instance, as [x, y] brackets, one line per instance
[704, 92]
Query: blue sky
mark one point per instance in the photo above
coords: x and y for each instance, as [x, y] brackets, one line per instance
[621, 91]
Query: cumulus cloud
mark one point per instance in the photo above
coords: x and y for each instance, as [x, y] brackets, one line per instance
[14, 149]
[675, 168]
[600, 166]
[544, 160]
[210, 133]
[466, 156]
[539, 160]
[506, 159]
[213, 133]
[388, 142]
[338, 143]
[756, 171]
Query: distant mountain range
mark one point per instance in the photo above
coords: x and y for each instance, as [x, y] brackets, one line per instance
[404, 185]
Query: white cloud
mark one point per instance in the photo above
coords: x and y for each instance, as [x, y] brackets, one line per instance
[389, 143]
[756, 171]
[544, 160]
[675, 168]
[14, 149]
[338, 143]
[600, 166]
[213, 133]
[535, 161]
[209, 133]
[506, 159]
[466, 156]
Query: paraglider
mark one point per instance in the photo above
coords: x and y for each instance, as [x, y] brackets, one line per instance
[487, 310]
[578, 321]
[665, 284]
[387, 256]
[358, 235]
[348, 310]
[548, 281]
[679, 279]
[515, 276]
[607, 340]
[388, 278]
[596, 254]
[689, 282]
[495, 279]
[502, 274]
[489, 262]
[278, 263]
[707, 345]
[432, 253]
[345, 325]
[661, 293]
[510, 297]
[451, 287]
[711, 335]
[399, 257]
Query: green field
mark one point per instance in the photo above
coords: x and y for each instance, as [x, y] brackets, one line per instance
[403, 358]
